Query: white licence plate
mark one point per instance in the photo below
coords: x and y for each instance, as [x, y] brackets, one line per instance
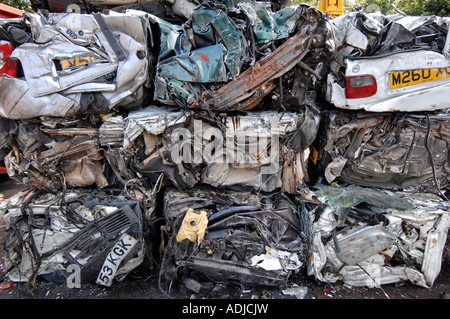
[120, 250]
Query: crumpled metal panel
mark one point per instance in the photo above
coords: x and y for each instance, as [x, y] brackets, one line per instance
[196, 67]
[389, 150]
[152, 119]
[248, 85]
[209, 58]
[268, 25]
[38, 62]
[230, 96]
[111, 132]
[49, 158]
[378, 34]
[260, 150]
[242, 143]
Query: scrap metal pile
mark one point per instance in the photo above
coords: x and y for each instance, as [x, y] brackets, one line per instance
[216, 116]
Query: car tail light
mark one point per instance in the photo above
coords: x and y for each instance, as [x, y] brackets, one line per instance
[360, 86]
[8, 66]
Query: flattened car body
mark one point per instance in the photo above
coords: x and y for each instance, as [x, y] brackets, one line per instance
[212, 62]
[250, 238]
[73, 57]
[259, 150]
[78, 229]
[375, 243]
[411, 81]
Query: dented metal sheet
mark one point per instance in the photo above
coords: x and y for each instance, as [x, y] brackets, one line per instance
[209, 48]
[39, 64]
[268, 25]
[152, 119]
[16, 100]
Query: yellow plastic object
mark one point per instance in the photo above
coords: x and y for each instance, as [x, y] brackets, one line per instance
[333, 7]
[193, 226]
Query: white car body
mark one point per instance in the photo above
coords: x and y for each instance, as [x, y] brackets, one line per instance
[425, 96]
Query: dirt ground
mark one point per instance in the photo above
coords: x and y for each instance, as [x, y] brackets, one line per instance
[142, 283]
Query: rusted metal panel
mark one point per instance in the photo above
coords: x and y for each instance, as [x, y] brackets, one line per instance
[251, 83]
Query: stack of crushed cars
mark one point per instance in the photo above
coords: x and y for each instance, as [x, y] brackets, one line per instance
[229, 122]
